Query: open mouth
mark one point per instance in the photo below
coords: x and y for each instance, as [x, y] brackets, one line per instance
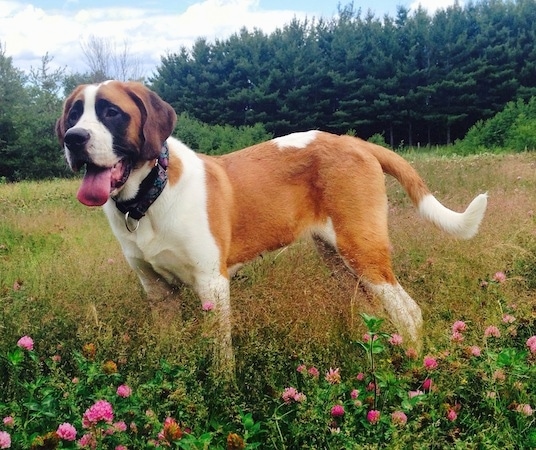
[99, 182]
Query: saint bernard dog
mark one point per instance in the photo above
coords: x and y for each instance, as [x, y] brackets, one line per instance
[185, 217]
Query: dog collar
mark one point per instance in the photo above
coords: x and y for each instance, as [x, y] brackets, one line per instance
[150, 188]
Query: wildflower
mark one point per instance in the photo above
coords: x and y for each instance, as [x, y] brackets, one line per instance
[207, 306]
[412, 394]
[399, 418]
[508, 318]
[457, 337]
[475, 350]
[101, 410]
[411, 353]
[531, 344]
[499, 376]
[395, 340]
[109, 367]
[26, 343]
[124, 391]
[301, 368]
[9, 421]
[117, 427]
[313, 371]
[172, 431]
[56, 358]
[5, 439]
[430, 363]
[492, 331]
[525, 409]
[66, 432]
[367, 338]
[89, 350]
[360, 376]
[333, 376]
[121, 447]
[451, 415]
[75, 380]
[87, 441]
[354, 394]
[291, 394]
[499, 277]
[458, 326]
[235, 442]
[373, 416]
[337, 411]
[427, 384]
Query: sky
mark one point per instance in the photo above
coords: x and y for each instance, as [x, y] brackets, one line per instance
[153, 28]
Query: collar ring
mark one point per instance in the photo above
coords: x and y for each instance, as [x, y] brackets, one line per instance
[127, 225]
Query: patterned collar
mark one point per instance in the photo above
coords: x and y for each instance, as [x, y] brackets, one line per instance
[150, 188]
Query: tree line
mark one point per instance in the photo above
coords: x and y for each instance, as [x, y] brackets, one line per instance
[410, 80]
[415, 78]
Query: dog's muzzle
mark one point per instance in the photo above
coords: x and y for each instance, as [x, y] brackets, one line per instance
[98, 182]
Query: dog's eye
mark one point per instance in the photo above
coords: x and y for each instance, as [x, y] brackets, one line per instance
[73, 116]
[111, 111]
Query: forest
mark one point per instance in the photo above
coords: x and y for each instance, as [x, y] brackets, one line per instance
[414, 80]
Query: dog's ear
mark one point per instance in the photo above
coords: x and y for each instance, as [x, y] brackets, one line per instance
[61, 123]
[158, 119]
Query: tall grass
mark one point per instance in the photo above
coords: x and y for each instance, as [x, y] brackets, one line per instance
[64, 281]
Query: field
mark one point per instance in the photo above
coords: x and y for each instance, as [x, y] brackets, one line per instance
[65, 283]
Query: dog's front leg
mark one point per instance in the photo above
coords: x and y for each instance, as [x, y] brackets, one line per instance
[164, 298]
[214, 293]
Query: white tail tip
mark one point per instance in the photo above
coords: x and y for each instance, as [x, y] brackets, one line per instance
[461, 225]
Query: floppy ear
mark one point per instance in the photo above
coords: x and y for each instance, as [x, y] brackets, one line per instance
[158, 119]
[61, 127]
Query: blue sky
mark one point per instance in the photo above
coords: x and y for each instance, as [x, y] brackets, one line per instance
[152, 28]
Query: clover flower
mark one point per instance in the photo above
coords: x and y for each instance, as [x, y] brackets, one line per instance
[333, 376]
[207, 306]
[430, 363]
[531, 344]
[395, 340]
[451, 415]
[337, 411]
[373, 416]
[5, 439]
[124, 391]
[459, 326]
[291, 394]
[492, 331]
[66, 431]
[26, 343]
[100, 411]
[399, 418]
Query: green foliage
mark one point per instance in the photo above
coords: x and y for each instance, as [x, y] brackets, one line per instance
[462, 394]
[217, 139]
[513, 128]
[28, 145]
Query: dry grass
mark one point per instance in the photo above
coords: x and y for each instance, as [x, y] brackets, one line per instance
[77, 287]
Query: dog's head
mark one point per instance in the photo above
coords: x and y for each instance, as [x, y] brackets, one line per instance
[112, 128]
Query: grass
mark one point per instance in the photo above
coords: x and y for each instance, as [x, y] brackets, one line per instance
[64, 282]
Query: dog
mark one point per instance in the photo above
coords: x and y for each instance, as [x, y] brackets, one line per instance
[185, 217]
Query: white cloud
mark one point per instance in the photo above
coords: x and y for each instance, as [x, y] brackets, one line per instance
[29, 32]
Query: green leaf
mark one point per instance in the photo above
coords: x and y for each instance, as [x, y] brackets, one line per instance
[16, 356]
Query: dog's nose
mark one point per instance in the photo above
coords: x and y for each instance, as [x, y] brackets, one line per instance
[76, 139]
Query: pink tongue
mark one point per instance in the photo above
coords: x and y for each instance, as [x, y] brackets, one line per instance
[95, 188]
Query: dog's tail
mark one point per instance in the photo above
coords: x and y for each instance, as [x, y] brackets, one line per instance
[461, 225]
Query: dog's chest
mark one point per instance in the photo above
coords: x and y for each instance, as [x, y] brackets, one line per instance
[178, 248]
